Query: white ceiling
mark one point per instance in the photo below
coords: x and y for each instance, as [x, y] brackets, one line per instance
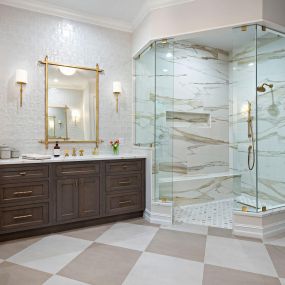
[118, 14]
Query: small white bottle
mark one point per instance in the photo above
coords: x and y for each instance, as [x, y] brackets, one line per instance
[56, 150]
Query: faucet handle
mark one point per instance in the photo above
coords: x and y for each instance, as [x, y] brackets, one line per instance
[66, 153]
[81, 152]
[74, 151]
[95, 150]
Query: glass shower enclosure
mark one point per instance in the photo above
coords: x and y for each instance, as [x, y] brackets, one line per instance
[212, 107]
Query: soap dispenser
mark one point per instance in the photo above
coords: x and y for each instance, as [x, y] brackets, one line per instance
[56, 150]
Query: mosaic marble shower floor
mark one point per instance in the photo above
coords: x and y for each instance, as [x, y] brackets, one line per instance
[216, 214]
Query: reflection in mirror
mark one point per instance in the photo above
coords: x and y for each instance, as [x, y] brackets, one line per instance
[57, 123]
[71, 104]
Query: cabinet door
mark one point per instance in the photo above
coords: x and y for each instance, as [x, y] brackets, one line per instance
[89, 197]
[67, 199]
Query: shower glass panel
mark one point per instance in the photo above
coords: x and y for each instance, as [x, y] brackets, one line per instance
[243, 147]
[271, 118]
[163, 122]
[145, 97]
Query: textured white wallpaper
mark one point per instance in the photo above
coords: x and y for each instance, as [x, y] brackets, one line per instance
[27, 37]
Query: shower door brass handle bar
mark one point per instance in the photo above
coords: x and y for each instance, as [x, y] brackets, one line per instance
[251, 149]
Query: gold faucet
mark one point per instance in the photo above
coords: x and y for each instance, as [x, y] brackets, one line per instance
[74, 152]
[81, 152]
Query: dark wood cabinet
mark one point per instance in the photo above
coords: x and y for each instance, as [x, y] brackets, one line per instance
[66, 199]
[89, 197]
[40, 198]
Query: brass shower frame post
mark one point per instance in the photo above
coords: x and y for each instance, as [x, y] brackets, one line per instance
[97, 70]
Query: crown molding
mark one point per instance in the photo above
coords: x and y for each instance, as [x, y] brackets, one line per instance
[125, 26]
[151, 5]
[53, 10]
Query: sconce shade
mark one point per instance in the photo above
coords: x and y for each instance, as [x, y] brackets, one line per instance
[21, 76]
[117, 87]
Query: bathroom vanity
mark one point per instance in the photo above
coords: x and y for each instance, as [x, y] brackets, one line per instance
[59, 194]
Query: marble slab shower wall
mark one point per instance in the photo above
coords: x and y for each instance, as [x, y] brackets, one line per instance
[201, 90]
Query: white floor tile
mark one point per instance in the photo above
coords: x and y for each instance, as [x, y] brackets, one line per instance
[154, 269]
[195, 229]
[59, 280]
[282, 281]
[130, 236]
[51, 253]
[239, 254]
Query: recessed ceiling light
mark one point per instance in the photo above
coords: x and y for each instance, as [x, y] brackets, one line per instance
[55, 80]
[169, 55]
[68, 71]
[251, 64]
[165, 70]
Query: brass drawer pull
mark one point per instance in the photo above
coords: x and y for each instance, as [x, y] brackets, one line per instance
[24, 193]
[125, 166]
[125, 202]
[125, 182]
[77, 171]
[23, 173]
[22, 217]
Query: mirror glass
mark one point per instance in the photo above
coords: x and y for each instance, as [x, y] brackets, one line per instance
[71, 104]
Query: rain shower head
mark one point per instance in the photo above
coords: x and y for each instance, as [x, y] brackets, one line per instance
[262, 88]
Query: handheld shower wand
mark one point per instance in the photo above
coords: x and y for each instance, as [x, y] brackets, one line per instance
[250, 135]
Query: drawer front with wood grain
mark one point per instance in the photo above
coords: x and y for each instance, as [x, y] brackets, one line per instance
[24, 172]
[77, 169]
[25, 191]
[119, 204]
[22, 217]
[123, 166]
[124, 182]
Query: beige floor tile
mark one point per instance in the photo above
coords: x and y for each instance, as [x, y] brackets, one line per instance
[239, 254]
[282, 280]
[127, 235]
[220, 232]
[227, 233]
[90, 234]
[189, 228]
[155, 269]
[102, 264]
[13, 274]
[277, 254]
[179, 244]
[59, 280]
[142, 221]
[214, 275]
[9, 248]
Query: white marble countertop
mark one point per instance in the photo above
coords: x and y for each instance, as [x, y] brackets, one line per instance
[73, 159]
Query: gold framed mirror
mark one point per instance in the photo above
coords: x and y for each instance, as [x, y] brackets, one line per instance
[71, 103]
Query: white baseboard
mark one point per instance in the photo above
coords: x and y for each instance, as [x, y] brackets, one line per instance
[157, 218]
[259, 226]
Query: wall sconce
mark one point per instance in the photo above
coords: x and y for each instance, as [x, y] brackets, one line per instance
[75, 116]
[117, 90]
[21, 78]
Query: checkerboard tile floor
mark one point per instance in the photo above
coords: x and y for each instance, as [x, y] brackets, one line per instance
[138, 253]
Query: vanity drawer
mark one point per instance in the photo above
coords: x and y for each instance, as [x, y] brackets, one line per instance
[123, 182]
[21, 217]
[77, 169]
[119, 204]
[22, 192]
[24, 172]
[123, 166]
